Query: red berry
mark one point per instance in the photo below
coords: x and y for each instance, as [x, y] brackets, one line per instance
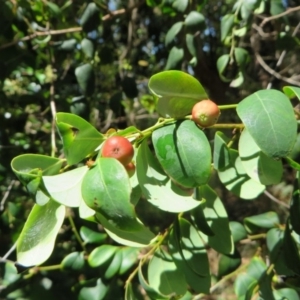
[205, 113]
[118, 147]
[130, 168]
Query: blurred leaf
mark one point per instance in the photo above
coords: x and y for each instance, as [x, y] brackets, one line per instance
[222, 64]
[65, 188]
[79, 137]
[86, 79]
[270, 109]
[177, 91]
[295, 205]
[73, 261]
[190, 43]
[188, 166]
[257, 165]
[227, 23]
[276, 7]
[101, 255]
[96, 292]
[241, 57]
[90, 19]
[238, 231]
[54, 8]
[113, 268]
[244, 286]
[228, 263]
[87, 47]
[157, 187]
[292, 91]
[195, 21]
[286, 293]
[36, 241]
[266, 221]
[164, 276]
[90, 236]
[180, 5]
[129, 258]
[221, 155]
[173, 32]
[66, 45]
[175, 58]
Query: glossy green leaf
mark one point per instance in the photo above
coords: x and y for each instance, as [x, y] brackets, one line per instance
[151, 292]
[90, 18]
[189, 255]
[113, 268]
[228, 263]
[198, 217]
[222, 64]
[79, 137]
[191, 45]
[241, 57]
[238, 80]
[96, 292]
[292, 91]
[184, 153]
[291, 251]
[172, 32]
[29, 169]
[164, 276]
[257, 268]
[73, 261]
[84, 211]
[227, 23]
[244, 286]
[272, 110]
[195, 21]
[257, 165]
[238, 231]
[266, 220]
[86, 79]
[106, 189]
[286, 293]
[274, 240]
[295, 205]
[101, 255]
[65, 188]
[141, 237]
[177, 91]
[90, 236]
[129, 258]
[36, 241]
[88, 48]
[217, 219]
[180, 5]
[221, 156]
[236, 180]
[157, 187]
[175, 58]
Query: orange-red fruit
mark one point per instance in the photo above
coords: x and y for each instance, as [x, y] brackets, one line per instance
[205, 113]
[118, 147]
[130, 168]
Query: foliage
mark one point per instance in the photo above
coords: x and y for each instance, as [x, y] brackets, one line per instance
[84, 229]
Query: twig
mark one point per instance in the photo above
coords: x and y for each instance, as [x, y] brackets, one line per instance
[288, 11]
[6, 194]
[9, 252]
[270, 196]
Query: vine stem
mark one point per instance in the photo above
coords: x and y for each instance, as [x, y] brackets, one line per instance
[229, 106]
[74, 229]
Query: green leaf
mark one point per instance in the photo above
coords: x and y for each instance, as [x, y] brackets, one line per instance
[180, 5]
[177, 91]
[274, 240]
[36, 241]
[172, 33]
[84, 211]
[238, 231]
[90, 18]
[90, 236]
[151, 292]
[244, 286]
[190, 43]
[79, 137]
[86, 79]
[286, 293]
[87, 47]
[189, 255]
[54, 8]
[175, 58]
[101, 255]
[156, 186]
[236, 180]
[292, 91]
[227, 23]
[257, 165]
[198, 217]
[272, 110]
[222, 64]
[221, 155]
[217, 219]
[73, 261]
[241, 57]
[228, 264]
[96, 292]
[295, 205]
[113, 268]
[188, 166]
[266, 220]
[66, 45]
[141, 237]
[65, 188]
[164, 276]
[129, 258]
[106, 189]
[195, 21]
[276, 7]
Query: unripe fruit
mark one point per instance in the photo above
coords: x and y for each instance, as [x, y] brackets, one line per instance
[205, 113]
[130, 168]
[118, 147]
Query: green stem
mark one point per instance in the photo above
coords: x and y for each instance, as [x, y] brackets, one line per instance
[50, 268]
[228, 126]
[292, 163]
[74, 229]
[229, 106]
